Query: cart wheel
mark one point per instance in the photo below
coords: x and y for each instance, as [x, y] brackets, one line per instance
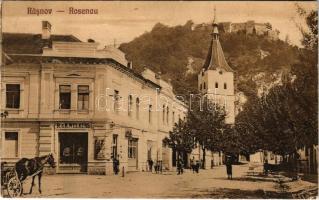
[14, 187]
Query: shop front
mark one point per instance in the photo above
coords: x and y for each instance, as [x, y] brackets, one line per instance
[72, 146]
[73, 152]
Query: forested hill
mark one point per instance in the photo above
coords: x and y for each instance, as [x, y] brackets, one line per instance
[257, 60]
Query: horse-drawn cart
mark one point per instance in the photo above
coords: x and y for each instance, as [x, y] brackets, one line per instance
[10, 182]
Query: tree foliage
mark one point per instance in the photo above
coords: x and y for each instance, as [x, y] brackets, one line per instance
[167, 49]
[285, 119]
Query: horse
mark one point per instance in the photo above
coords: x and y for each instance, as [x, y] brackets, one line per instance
[33, 167]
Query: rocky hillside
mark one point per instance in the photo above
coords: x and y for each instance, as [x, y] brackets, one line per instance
[179, 52]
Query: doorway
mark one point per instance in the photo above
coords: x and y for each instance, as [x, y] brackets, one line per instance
[132, 154]
[73, 155]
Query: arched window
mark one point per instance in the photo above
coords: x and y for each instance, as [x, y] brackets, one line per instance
[225, 86]
[150, 113]
[173, 117]
[216, 85]
[137, 108]
[204, 85]
[163, 114]
[167, 115]
[129, 106]
[200, 87]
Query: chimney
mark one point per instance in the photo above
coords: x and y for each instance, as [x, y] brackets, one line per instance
[46, 30]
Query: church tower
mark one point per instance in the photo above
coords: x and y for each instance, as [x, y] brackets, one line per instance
[216, 79]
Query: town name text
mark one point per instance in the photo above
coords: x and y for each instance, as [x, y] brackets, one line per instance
[71, 11]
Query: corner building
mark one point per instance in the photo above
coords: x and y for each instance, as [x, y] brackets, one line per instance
[83, 104]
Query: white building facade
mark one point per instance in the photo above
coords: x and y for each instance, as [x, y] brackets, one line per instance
[83, 104]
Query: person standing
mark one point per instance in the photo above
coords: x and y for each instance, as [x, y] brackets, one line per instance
[116, 164]
[150, 165]
[192, 164]
[180, 166]
[197, 166]
[229, 168]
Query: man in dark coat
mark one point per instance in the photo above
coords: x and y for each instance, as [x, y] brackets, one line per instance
[229, 168]
[116, 164]
[180, 166]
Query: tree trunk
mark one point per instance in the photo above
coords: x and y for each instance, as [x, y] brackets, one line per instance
[204, 158]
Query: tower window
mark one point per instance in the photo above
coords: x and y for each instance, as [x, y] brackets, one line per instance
[225, 86]
[137, 108]
[202, 73]
[216, 85]
[129, 105]
[164, 112]
[150, 113]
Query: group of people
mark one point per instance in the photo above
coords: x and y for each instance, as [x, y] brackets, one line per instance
[195, 165]
[157, 166]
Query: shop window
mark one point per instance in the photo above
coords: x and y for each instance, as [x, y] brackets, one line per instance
[13, 96]
[83, 97]
[129, 105]
[114, 146]
[99, 149]
[150, 113]
[137, 108]
[116, 100]
[11, 145]
[132, 148]
[65, 97]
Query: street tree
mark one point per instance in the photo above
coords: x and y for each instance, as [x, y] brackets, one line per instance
[206, 121]
[180, 138]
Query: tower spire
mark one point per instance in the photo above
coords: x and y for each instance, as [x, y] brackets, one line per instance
[215, 32]
[215, 19]
[215, 58]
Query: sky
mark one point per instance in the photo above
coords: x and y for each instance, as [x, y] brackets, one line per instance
[122, 21]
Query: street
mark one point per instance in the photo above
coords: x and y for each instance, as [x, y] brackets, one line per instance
[210, 183]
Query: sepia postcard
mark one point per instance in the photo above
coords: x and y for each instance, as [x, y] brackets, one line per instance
[159, 99]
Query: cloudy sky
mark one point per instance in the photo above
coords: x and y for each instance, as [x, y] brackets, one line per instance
[123, 21]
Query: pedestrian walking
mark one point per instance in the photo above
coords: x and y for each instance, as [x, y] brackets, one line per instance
[197, 166]
[192, 164]
[150, 165]
[229, 168]
[180, 166]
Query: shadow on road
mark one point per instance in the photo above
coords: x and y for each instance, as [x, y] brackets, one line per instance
[221, 193]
